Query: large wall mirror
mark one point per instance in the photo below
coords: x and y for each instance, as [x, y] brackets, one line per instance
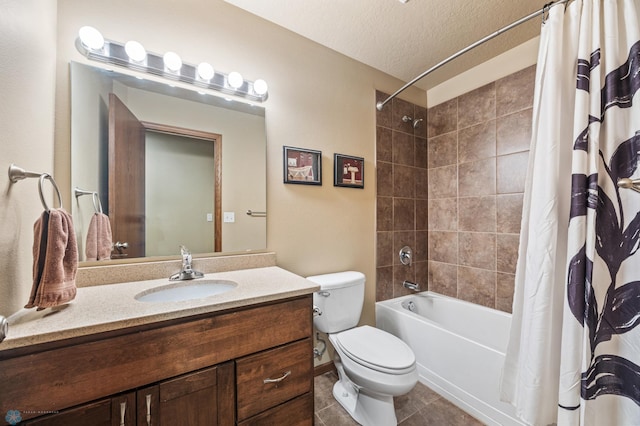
[170, 166]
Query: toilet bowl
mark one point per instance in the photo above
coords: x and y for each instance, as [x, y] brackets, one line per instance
[373, 365]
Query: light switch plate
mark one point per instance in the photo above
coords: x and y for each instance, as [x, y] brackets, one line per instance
[229, 217]
[209, 217]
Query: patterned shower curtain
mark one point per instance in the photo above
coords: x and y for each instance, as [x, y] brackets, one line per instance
[574, 353]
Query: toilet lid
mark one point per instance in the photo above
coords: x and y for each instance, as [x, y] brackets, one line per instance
[376, 349]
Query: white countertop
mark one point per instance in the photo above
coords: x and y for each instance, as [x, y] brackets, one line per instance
[112, 307]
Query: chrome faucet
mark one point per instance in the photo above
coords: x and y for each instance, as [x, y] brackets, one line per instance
[411, 286]
[186, 273]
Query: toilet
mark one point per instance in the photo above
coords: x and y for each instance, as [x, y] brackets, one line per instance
[373, 365]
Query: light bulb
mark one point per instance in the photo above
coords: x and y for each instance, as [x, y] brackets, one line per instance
[135, 51]
[91, 38]
[260, 87]
[235, 79]
[205, 71]
[172, 61]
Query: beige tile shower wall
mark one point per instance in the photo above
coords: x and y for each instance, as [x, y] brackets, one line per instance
[459, 204]
[478, 148]
[401, 203]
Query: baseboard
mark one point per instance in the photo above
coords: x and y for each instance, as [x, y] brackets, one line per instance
[323, 368]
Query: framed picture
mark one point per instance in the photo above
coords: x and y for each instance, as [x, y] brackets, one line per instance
[303, 166]
[348, 171]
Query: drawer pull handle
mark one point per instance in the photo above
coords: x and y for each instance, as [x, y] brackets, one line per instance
[279, 379]
[148, 398]
[123, 409]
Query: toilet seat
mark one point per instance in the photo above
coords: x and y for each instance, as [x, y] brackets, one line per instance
[376, 349]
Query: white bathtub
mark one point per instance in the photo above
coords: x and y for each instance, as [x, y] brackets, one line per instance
[459, 348]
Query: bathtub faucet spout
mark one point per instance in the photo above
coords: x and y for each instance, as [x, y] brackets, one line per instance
[411, 286]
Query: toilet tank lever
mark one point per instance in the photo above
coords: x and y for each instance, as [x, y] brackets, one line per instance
[316, 311]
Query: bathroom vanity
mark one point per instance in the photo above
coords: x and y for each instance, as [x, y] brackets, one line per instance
[244, 357]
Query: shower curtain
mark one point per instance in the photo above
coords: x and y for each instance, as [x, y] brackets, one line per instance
[574, 352]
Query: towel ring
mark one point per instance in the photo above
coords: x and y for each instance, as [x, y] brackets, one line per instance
[44, 176]
[97, 205]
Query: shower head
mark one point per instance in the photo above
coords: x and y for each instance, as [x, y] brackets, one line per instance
[416, 122]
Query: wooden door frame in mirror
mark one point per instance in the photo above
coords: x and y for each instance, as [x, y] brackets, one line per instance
[216, 139]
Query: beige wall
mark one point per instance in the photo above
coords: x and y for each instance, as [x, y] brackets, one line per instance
[505, 64]
[318, 99]
[27, 67]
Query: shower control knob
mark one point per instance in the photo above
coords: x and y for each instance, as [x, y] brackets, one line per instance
[405, 255]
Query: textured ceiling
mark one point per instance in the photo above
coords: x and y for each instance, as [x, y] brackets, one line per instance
[404, 40]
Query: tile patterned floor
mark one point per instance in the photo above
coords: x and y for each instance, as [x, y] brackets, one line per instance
[420, 407]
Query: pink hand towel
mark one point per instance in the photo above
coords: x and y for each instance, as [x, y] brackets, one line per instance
[55, 260]
[99, 242]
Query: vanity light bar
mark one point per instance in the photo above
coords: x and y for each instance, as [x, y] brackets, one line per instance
[113, 52]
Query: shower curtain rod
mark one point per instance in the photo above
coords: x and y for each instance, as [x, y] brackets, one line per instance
[544, 9]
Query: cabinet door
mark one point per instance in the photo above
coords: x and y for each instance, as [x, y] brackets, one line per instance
[148, 406]
[189, 400]
[116, 411]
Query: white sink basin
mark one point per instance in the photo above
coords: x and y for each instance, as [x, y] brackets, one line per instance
[186, 290]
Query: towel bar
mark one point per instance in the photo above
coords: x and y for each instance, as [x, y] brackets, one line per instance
[97, 204]
[18, 173]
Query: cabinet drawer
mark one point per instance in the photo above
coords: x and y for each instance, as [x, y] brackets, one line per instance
[256, 375]
[297, 412]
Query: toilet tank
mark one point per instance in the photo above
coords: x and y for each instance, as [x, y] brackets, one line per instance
[340, 300]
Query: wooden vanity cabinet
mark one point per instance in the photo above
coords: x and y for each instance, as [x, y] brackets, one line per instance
[251, 366]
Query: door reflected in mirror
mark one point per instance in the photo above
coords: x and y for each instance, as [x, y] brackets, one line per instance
[167, 161]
